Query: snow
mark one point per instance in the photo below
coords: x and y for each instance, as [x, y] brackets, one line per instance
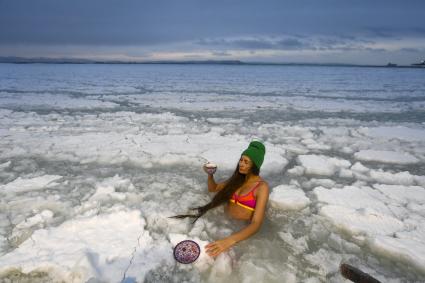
[37, 219]
[395, 132]
[403, 194]
[77, 250]
[385, 156]
[408, 251]
[362, 221]
[380, 217]
[288, 198]
[322, 165]
[21, 185]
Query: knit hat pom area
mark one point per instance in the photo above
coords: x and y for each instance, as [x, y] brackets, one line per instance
[256, 151]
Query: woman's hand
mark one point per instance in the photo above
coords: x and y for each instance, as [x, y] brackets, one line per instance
[209, 168]
[215, 248]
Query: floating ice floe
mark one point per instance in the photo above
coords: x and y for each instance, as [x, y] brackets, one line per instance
[37, 219]
[408, 251]
[361, 172]
[54, 102]
[386, 156]
[314, 182]
[403, 194]
[143, 140]
[288, 197]
[399, 178]
[386, 218]
[21, 185]
[100, 247]
[5, 165]
[396, 132]
[321, 164]
[106, 190]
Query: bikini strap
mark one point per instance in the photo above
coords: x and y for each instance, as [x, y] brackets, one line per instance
[256, 186]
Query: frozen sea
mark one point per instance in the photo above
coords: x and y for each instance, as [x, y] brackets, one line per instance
[95, 158]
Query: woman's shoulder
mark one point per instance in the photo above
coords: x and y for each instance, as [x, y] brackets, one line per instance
[263, 185]
[263, 182]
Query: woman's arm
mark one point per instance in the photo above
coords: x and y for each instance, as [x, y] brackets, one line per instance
[212, 185]
[215, 248]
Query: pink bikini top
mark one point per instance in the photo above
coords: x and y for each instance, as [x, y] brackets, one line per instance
[248, 200]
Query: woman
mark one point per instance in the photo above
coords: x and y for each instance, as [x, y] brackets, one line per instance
[245, 194]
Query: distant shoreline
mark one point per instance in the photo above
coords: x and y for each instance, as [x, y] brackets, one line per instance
[20, 60]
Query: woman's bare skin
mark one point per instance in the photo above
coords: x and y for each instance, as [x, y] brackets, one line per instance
[255, 217]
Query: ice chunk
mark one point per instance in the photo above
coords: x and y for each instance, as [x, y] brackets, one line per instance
[288, 198]
[322, 165]
[21, 185]
[358, 167]
[298, 245]
[106, 190]
[313, 144]
[397, 132]
[37, 219]
[346, 173]
[222, 267]
[386, 156]
[3, 243]
[296, 171]
[328, 262]
[361, 221]
[79, 249]
[353, 197]
[400, 178]
[386, 218]
[403, 194]
[5, 165]
[250, 272]
[314, 182]
[411, 252]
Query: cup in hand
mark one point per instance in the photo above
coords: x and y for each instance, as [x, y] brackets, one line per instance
[210, 168]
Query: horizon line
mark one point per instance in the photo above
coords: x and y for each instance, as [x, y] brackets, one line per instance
[49, 60]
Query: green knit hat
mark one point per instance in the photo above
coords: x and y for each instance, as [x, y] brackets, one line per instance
[256, 151]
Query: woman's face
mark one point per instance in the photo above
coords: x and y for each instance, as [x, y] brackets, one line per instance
[245, 164]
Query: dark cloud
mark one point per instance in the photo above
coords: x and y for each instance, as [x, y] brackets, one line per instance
[411, 50]
[152, 29]
[291, 43]
[257, 43]
[135, 22]
[220, 53]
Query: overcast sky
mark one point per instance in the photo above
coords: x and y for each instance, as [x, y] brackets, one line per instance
[340, 31]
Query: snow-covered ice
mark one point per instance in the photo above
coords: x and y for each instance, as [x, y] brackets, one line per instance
[96, 247]
[385, 156]
[288, 198]
[95, 158]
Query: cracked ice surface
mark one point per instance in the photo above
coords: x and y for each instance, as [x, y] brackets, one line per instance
[92, 166]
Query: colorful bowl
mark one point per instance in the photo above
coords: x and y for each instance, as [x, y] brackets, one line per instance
[186, 251]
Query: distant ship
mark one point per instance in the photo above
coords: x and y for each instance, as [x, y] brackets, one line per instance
[391, 65]
[422, 64]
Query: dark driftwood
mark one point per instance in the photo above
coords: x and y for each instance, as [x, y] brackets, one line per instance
[356, 275]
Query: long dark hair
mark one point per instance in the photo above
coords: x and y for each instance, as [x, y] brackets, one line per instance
[231, 185]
